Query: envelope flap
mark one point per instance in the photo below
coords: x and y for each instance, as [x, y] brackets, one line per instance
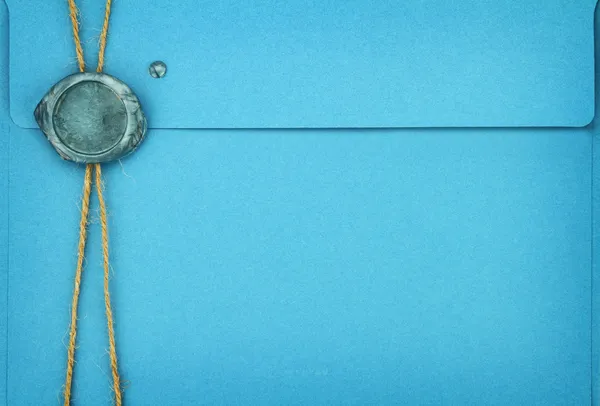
[335, 63]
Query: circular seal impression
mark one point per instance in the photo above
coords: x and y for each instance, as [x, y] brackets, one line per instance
[91, 117]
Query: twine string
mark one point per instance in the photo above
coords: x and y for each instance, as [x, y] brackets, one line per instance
[109, 316]
[85, 208]
[87, 186]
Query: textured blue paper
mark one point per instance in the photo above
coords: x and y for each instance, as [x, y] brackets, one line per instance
[4, 235]
[316, 63]
[309, 267]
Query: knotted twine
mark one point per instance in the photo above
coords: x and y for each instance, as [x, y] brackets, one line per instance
[85, 206]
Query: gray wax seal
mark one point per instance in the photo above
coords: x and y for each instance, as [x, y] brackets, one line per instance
[91, 117]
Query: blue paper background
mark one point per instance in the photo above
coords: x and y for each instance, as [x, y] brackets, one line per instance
[411, 266]
[4, 232]
[332, 63]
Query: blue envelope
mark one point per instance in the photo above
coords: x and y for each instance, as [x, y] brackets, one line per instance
[338, 202]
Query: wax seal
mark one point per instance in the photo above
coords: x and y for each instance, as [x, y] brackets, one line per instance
[91, 117]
